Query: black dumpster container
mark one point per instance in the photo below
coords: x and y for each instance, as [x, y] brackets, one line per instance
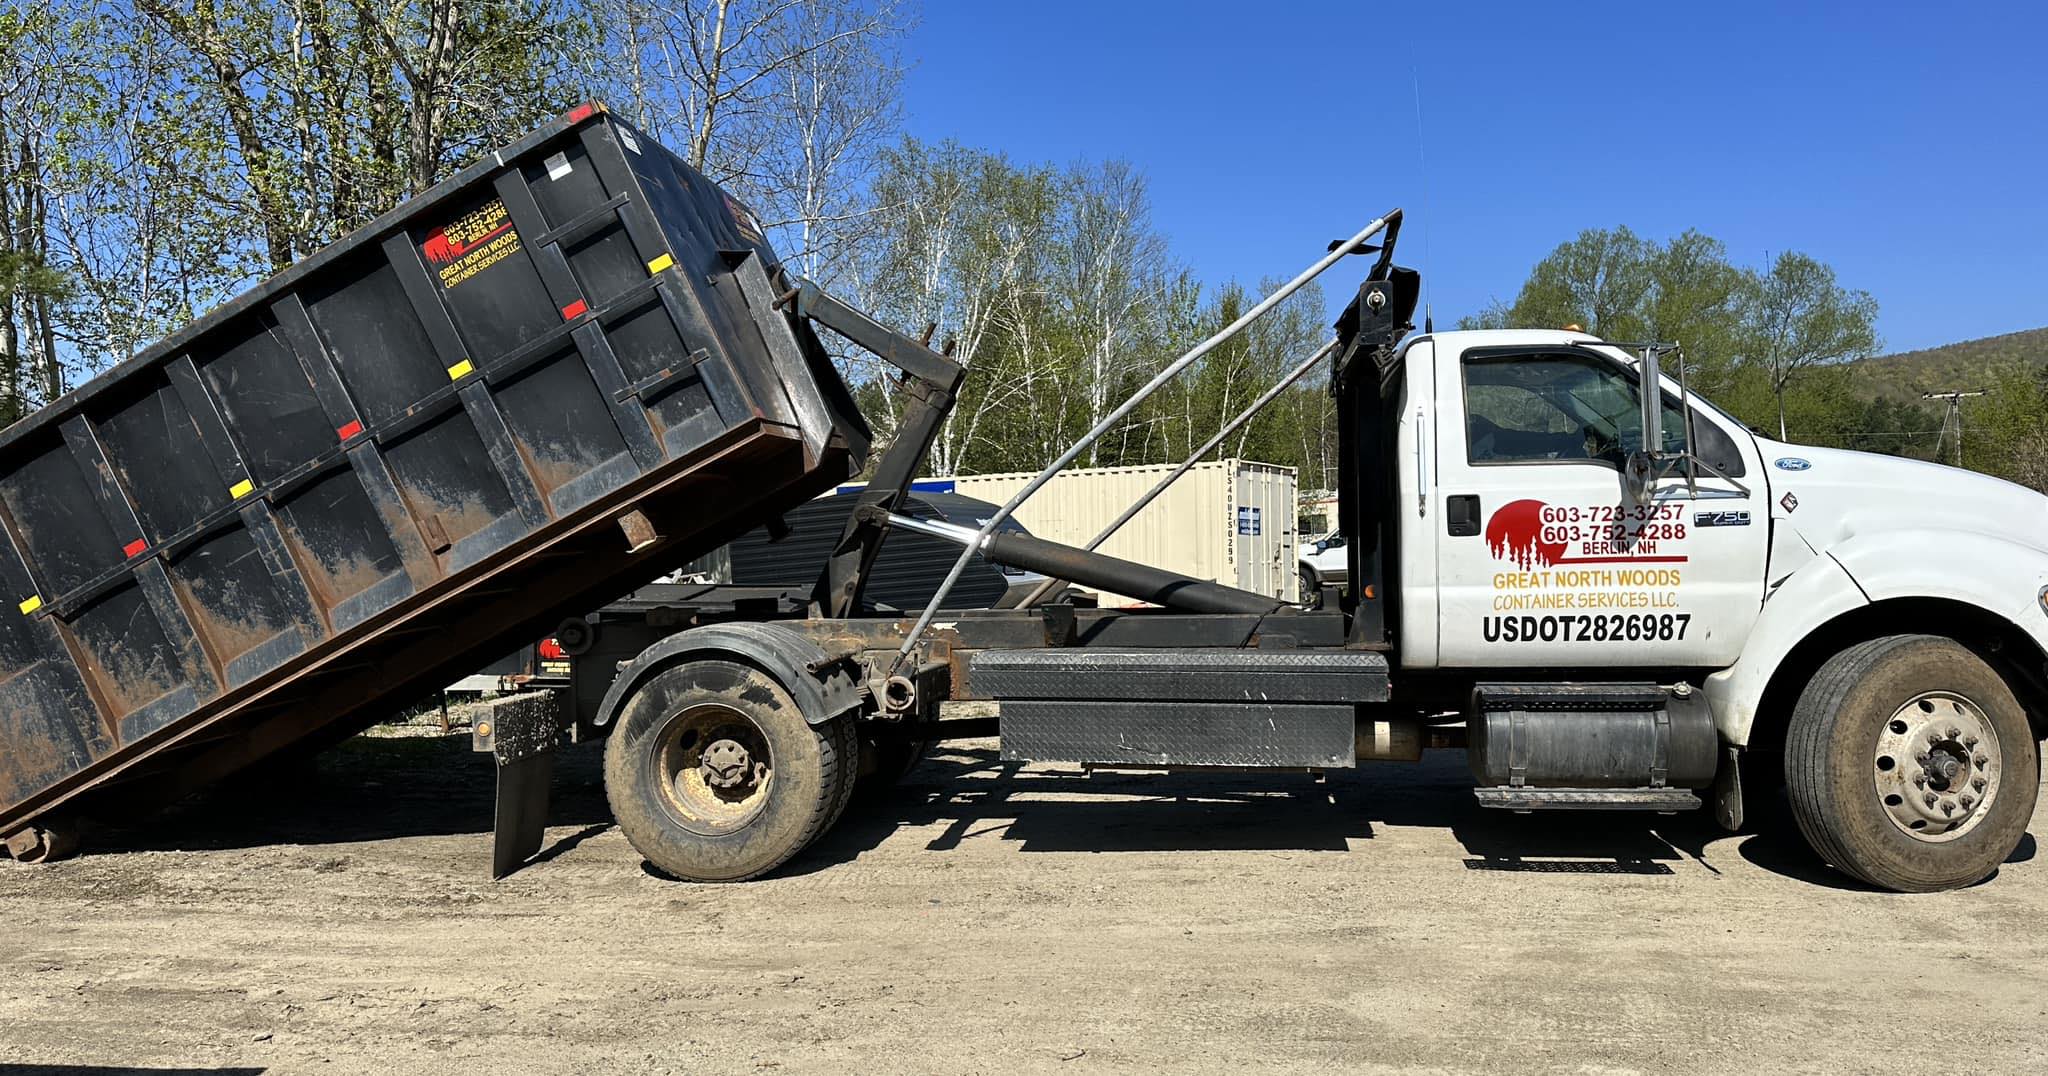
[515, 397]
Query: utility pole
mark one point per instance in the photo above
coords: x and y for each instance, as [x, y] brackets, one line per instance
[1954, 417]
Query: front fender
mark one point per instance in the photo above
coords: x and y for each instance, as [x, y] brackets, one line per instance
[1818, 592]
[2001, 577]
[1994, 574]
[822, 688]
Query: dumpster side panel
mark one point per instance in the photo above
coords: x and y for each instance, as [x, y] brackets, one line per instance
[391, 458]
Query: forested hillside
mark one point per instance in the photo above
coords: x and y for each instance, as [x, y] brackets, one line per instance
[1969, 364]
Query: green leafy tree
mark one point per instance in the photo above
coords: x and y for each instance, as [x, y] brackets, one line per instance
[1795, 317]
[1767, 346]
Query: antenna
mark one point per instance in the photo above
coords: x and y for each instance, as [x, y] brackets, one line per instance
[1954, 417]
[1422, 180]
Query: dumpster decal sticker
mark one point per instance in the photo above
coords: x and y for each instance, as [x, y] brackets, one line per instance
[473, 243]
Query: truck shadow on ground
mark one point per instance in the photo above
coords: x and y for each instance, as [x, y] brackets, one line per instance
[970, 791]
[376, 788]
[367, 788]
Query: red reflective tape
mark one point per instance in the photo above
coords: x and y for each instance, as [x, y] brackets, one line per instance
[135, 547]
[350, 430]
[581, 112]
[574, 309]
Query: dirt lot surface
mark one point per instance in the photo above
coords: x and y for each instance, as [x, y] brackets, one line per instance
[990, 918]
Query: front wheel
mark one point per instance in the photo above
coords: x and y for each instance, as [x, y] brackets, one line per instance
[715, 775]
[1910, 765]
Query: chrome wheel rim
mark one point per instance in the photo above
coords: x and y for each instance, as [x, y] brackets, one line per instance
[1936, 766]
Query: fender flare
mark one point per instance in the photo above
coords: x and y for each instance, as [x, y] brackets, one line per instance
[823, 688]
[2000, 577]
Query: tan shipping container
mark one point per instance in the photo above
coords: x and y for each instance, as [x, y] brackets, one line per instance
[1226, 521]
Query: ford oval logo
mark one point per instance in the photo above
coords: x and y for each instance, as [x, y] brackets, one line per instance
[1791, 463]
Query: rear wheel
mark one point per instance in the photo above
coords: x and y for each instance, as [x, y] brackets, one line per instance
[715, 776]
[1910, 765]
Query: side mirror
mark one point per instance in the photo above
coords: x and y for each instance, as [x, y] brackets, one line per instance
[1640, 472]
[1638, 476]
[1652, 403]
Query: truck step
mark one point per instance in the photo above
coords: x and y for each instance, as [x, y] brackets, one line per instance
[1192, 675]
[1153, 733]
[1521, 799]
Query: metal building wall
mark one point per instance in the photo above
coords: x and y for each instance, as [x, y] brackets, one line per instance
[1227, 521]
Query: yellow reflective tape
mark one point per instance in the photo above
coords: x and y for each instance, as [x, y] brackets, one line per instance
[460, 370]
[658, 264]
[241, 489]
[32, 603]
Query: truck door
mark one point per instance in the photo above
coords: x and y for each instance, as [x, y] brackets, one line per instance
[1542, 557]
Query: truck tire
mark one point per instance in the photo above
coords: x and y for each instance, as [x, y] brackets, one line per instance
[1311, 592]
[1910, 765]
[715, 776]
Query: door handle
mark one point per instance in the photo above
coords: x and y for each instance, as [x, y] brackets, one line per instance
[1461, 514]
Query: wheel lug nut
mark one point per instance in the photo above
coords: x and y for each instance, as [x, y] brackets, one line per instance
[1921, 758]
[1982, 762]
[1977, 783]
[1970, 742]
[1954, 732]
[1933, 736]
[1919, 780]
[1932, 799]
[1969, 802]
[1948, 809]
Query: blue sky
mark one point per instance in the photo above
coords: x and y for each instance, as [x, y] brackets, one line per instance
[1907, 145]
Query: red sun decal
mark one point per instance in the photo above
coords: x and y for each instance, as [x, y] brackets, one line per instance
[1515, 533]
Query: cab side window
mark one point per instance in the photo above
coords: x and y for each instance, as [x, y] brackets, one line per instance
[1548, 409]
[1563, 408]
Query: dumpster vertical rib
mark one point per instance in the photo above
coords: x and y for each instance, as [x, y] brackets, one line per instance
[547, 258]
[601, 147]
[197, 658]
[730, 396]
[588, 339]
[258, 517]
[627, 411]
[365, 456]
[499, 445]
[100, 736]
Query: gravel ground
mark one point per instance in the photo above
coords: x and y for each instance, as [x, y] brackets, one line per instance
[994, 918]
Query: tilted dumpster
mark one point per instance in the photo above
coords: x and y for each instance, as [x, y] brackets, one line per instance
[513, 398]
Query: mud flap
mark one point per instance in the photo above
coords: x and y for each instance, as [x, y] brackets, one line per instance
[1728, 790]
[520, 732]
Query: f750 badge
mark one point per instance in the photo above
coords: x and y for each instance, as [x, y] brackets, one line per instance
[1720, 519]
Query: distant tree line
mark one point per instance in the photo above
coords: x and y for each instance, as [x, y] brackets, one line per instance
[1776, 346]
[158, 156]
